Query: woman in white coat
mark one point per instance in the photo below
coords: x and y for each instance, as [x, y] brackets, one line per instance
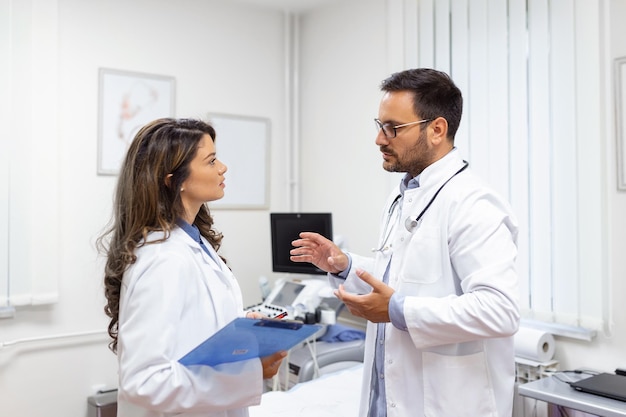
[167, 289]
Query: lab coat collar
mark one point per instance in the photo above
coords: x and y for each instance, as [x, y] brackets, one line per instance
[194, 233]
[439, 171]
[178, 234]
[213, 261]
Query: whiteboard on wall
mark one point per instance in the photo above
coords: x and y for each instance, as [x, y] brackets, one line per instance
[242, 143]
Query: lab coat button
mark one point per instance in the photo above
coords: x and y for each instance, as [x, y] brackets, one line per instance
[393, 405]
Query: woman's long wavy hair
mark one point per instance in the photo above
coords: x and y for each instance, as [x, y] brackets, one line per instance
[148, 199]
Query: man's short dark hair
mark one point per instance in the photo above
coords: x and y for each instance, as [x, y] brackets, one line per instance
[435, 94]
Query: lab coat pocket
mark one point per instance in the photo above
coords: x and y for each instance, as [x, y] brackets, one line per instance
[457, 386]
[422, 260]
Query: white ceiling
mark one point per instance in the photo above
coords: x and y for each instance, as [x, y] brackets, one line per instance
[296, 6]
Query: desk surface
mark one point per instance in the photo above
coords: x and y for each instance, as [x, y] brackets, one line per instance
[554, 391]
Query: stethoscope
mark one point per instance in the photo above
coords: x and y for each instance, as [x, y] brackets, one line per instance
[411, 223]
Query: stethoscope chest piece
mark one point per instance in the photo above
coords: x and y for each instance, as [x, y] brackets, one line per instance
[411, 224]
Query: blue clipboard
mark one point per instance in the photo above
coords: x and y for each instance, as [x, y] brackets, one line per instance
[244, 338]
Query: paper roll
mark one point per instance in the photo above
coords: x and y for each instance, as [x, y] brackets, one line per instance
[534, 344]
[328, 317]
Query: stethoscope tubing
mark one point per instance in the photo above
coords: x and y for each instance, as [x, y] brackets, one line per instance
[411, 223]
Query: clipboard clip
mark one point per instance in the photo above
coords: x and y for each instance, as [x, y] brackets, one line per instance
[279, 324]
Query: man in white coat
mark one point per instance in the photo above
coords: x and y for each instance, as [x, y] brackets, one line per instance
[441, 293]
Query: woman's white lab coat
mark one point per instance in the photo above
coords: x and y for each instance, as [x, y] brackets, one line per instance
[173, 298]
[457, 272]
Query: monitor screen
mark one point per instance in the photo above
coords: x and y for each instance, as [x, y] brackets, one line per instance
[287, 294]
[285, 228]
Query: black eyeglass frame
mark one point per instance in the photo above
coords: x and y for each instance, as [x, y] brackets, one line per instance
[385, 126]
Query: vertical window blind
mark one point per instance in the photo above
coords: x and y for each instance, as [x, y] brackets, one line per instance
[29, 191]
[530, 72]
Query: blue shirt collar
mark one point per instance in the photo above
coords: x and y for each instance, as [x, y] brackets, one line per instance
[409, 182]
[191, 229]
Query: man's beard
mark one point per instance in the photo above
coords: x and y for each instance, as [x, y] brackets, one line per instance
[416, 158]
[391, 166]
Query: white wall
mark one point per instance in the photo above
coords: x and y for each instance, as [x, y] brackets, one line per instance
[226, 58]
[341, 166]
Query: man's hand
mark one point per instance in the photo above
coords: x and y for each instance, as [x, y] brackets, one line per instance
[321, 252]
[373, 306]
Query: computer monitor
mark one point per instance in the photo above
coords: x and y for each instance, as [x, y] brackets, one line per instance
[285, 228]
[288, 293]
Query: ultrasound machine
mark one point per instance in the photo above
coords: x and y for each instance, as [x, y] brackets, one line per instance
[299, 295]
[305, 295]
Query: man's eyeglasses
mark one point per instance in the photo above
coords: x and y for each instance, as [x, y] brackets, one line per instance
[390, 131]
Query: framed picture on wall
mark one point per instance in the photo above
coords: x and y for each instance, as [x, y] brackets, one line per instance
[127, 101]
[243, 144]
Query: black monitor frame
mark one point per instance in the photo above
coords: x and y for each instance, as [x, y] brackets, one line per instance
[285, 228]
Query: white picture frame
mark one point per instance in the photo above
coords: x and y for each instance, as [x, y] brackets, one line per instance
[127, 101]
[620, 120]
[243, 144]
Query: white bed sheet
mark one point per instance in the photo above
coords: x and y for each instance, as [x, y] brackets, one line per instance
[331, 395]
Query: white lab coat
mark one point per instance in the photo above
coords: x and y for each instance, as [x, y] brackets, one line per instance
[173, 298]
[457, 272]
